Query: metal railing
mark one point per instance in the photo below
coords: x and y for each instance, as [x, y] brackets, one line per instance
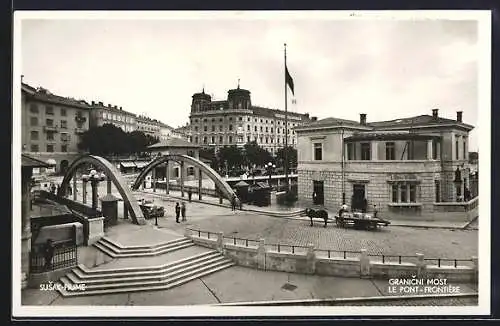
[65, 255]
[241, 242]
[286, 248]
[203, 234]
[393, 258]
[447, 262]
[345, 254]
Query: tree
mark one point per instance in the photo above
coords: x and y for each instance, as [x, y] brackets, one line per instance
[292, 156]
[230, 155]
[104, 140]
[254, 154]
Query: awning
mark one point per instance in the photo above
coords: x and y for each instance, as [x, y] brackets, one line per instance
[51, 161]
[128, 164]
[141, 164]
[241, 184]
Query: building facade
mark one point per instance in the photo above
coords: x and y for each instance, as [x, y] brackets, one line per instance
[149, 126]
[101, 114]
[235, 121]
[407, 166]
[52, 125]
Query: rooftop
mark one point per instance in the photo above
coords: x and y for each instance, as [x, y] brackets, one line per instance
[43, 94]
[28, 161]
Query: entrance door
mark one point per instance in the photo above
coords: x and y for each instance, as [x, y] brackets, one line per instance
[318, 193]
[358, 196]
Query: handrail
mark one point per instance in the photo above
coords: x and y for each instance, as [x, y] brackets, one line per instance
[385, 257]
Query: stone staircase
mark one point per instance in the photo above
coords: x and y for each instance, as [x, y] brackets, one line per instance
[116, 250]
[83, 281]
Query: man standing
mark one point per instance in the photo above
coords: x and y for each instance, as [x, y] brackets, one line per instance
[49, 254]
[177, 212]
[183, 211]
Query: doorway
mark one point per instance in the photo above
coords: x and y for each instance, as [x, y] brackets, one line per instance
[358, 197]
[318, 193]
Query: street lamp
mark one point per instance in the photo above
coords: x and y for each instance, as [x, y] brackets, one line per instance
[270, 168]
[94, 177]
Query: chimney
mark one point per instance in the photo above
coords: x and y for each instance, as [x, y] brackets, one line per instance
[314, 118]
[116, 106]
[435, 113]
[120, 108]
[362, 119]
[459, 116]
[93, 102]
[109, 105]
[101, 104]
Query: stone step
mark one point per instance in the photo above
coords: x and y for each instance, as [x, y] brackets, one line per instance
[145, 272]
[101, 272]
[157, 246]
[113, 254]
[154, 286]
[142, 279]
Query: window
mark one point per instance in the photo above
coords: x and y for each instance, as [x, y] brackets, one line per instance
[434, 149]
[230, 139]
[221, 140]
[240, 118]
[464, 149]
[34, 148]
[318, 151]
[34, 135]
[213, 139]
[456, 149]
[34, 121]
[272, 140]
[195, 120]
[104, 115]
[220, 128]
[230, 118]
[213, 128]
[50, 136]
[271, 130]
[413, 193]
[365, 151]
[230, 127]
[267, 121]
[248, 139]
[389, 151]
[204, 139]
[33, 108]
[394, 193]
[437, 190]
[205, 120]
[248, 127]
[196, 128]
[267, 140]
[255, 129]
[261, 129]
[64, 137]
[49, 110]
[220, 120]
[278, 140]
[272, 122]
[63, 112]
[213, 119]
[248, 119]
[267, 130]
[64, 124]
[50, 148]
[64, 148]
[351, 154]
[403, 193]
[205, 128]
[196, 140]
[261, 139]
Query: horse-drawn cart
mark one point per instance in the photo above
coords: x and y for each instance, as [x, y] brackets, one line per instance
[360, 221]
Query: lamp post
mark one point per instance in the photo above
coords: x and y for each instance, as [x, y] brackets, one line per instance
[270, 168]
[94, 177]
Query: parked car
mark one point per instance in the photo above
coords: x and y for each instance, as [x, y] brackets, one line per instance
[150, 210]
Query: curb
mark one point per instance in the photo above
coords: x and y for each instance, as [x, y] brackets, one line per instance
[349, 300]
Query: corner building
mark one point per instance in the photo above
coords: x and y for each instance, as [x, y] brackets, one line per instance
[404, 167]
[236, 121]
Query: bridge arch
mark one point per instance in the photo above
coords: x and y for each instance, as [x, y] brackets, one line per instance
[111, 172]
[222, 185]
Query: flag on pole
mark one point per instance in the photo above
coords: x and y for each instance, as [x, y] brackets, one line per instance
[289, 79]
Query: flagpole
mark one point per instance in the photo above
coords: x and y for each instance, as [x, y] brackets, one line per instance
[286, 132]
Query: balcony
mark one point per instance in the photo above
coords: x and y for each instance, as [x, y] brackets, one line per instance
[79, 130]
[50, 128]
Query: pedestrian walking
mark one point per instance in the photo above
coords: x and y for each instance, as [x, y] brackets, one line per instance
[190, 193]
[183, 211]
[233, 203]
[177, 212]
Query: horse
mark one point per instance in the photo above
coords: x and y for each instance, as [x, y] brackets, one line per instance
[319, 214]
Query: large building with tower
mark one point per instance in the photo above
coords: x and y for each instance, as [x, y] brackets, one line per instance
[235, 121]
[405, 167]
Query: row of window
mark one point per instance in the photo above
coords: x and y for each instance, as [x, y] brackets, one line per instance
[464, 149]
[248, 120]
[49, 110]
[240, 139]
[117, 117]
[230, 128]
[404, 193]
[50, 123]
[49, 148]
[35, 135]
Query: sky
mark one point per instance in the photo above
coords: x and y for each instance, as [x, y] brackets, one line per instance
[384, 68]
